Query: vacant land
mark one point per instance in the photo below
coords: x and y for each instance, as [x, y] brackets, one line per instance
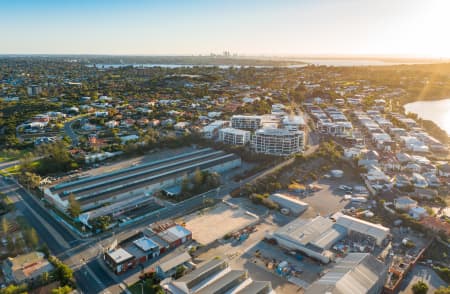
[210, 225]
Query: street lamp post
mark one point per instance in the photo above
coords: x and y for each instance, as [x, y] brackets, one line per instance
[142, 287]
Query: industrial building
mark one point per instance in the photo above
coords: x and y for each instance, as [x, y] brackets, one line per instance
[355, 225]
[216, 276]
[149, 244]
[279, 142]
[294, 205]
[357, 273]
[314, 237]
[234, 136]
[138, 181]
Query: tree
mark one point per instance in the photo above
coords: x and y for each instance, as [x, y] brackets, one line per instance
[212, 180]
[198, 178]
[31, 238]
[5, 225]
[19, 245]
[31, 180]
[180, 271]
[74, 206]
[185, 184]
[101, 223]
[44, 277]
[420, 288]
[443, 290]
[11, 245]
[55, 158]
[62, 290]
[14, 289]
[64, 273]
[26, 162]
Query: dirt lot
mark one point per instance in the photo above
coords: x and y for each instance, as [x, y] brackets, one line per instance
[240, 256]
[208, 226]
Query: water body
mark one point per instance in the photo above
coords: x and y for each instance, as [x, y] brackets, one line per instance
[223, 66]
[353, 62]
[437, 111]
[318, 61]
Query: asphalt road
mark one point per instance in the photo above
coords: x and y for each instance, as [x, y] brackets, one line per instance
[69, 132]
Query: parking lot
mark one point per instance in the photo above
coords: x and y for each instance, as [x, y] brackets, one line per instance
[329, 199]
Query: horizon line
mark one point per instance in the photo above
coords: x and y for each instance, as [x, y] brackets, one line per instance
[237, 55]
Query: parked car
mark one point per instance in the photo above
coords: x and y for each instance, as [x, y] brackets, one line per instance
[345, 188]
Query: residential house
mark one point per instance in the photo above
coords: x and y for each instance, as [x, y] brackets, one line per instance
[26, 267]
[404, 203]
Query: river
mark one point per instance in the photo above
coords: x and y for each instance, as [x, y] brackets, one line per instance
[437, 111]
[307, 61]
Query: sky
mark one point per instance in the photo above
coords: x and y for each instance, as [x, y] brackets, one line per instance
[400, 28]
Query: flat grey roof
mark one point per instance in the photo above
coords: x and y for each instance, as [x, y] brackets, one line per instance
[82, 182]
[376, 231]
[201, 272]
[174, 262]
[104, 194]
[256, 287]
[107, 181]
[306, 231]
[356, 273]
[222, 284]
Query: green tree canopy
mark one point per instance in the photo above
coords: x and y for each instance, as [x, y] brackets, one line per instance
[420, 288]
[74, 206]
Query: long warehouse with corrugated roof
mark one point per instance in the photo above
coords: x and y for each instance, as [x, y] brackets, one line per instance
[140, 180]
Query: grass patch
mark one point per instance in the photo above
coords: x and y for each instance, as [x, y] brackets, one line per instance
[12, 170]
[11, 154]
[443, 272]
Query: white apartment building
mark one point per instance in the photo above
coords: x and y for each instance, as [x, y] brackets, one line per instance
[246, 122]
[234, 136]
[294, 123]
[279, 142]
[211, 131]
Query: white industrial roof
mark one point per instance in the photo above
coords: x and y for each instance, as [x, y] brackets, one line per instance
[145, 243]
[120, 255]
[174, 233]
[377, 231]
[318, 231]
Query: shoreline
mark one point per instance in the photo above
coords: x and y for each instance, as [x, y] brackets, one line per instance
[430, 129]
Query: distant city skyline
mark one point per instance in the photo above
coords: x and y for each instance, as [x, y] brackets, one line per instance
[401, 28]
